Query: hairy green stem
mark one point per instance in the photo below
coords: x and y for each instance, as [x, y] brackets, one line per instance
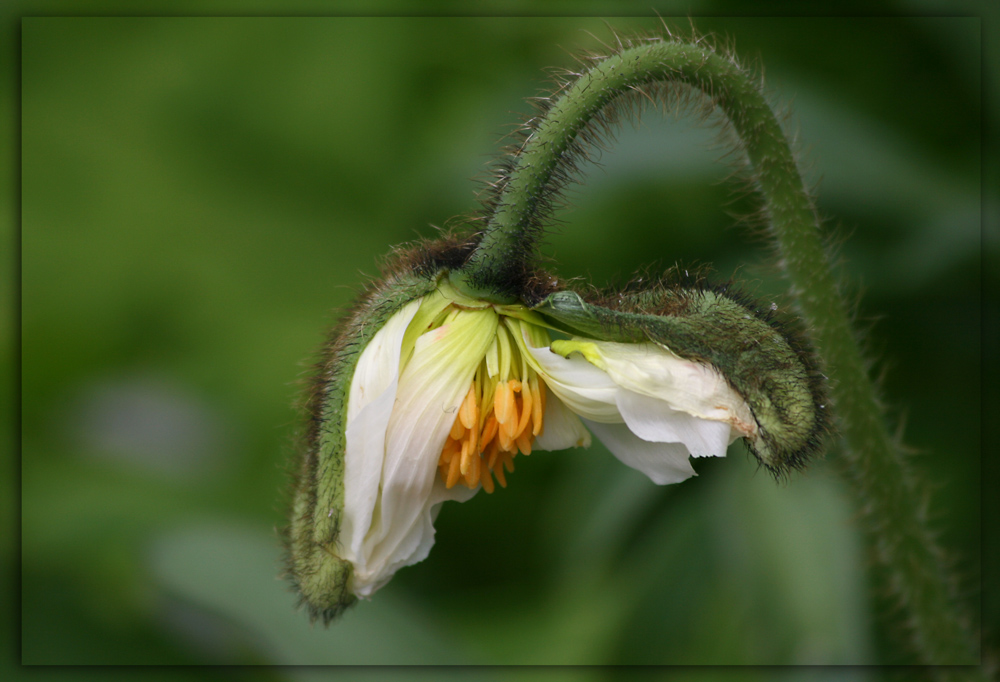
[876, 471]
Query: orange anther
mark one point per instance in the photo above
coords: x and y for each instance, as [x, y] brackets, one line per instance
[466, 456]
[453, 473]
[504, 404]
[489, 431]
[524, 443]
[537, 406]
[525, 413]
[506, 442]
[472, 475]
[487, 482]
[491, 454]
[498, 472]
[469, 413]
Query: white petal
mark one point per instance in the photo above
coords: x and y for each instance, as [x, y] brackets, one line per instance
[562, 429]
[369, 405]
[423, 531]
[671, 408]
[653, 420]
[431, 388]
[693, 387]
[585, 389]
[378, 365]
[662, 462]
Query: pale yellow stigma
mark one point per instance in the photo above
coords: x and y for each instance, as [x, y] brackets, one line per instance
[499, 418]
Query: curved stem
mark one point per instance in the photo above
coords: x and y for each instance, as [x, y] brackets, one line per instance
[877, 472]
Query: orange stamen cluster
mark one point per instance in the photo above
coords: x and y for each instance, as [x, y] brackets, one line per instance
[496, 420]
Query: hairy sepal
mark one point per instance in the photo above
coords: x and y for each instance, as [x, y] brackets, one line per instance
[764, 361]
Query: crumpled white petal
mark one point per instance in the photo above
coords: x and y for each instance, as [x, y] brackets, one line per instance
[412, 418]
[663, 462]
[655, 420]
[696, 388]
[651, 408]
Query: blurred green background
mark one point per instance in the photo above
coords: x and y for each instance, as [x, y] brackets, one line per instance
[198, 194]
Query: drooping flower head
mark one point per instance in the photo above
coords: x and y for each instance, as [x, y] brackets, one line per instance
[426, 395]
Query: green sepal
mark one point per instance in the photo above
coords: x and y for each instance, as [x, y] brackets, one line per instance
[321, 576]
[766, 364]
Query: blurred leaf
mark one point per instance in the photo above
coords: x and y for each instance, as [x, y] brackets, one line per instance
[233, 570]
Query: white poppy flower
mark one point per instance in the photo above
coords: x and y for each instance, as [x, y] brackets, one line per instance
[450, 390]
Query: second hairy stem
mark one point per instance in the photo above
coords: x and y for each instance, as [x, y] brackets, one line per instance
[877, 473]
